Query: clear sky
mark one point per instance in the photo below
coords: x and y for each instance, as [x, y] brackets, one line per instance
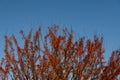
[87, 17]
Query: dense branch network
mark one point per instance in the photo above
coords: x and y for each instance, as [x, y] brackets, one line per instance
[58, 57]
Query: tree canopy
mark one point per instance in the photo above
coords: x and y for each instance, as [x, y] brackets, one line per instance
[57, 57]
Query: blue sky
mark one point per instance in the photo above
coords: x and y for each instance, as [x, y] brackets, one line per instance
[87, 17]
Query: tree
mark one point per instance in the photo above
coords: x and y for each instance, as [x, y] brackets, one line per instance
[58, 57]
